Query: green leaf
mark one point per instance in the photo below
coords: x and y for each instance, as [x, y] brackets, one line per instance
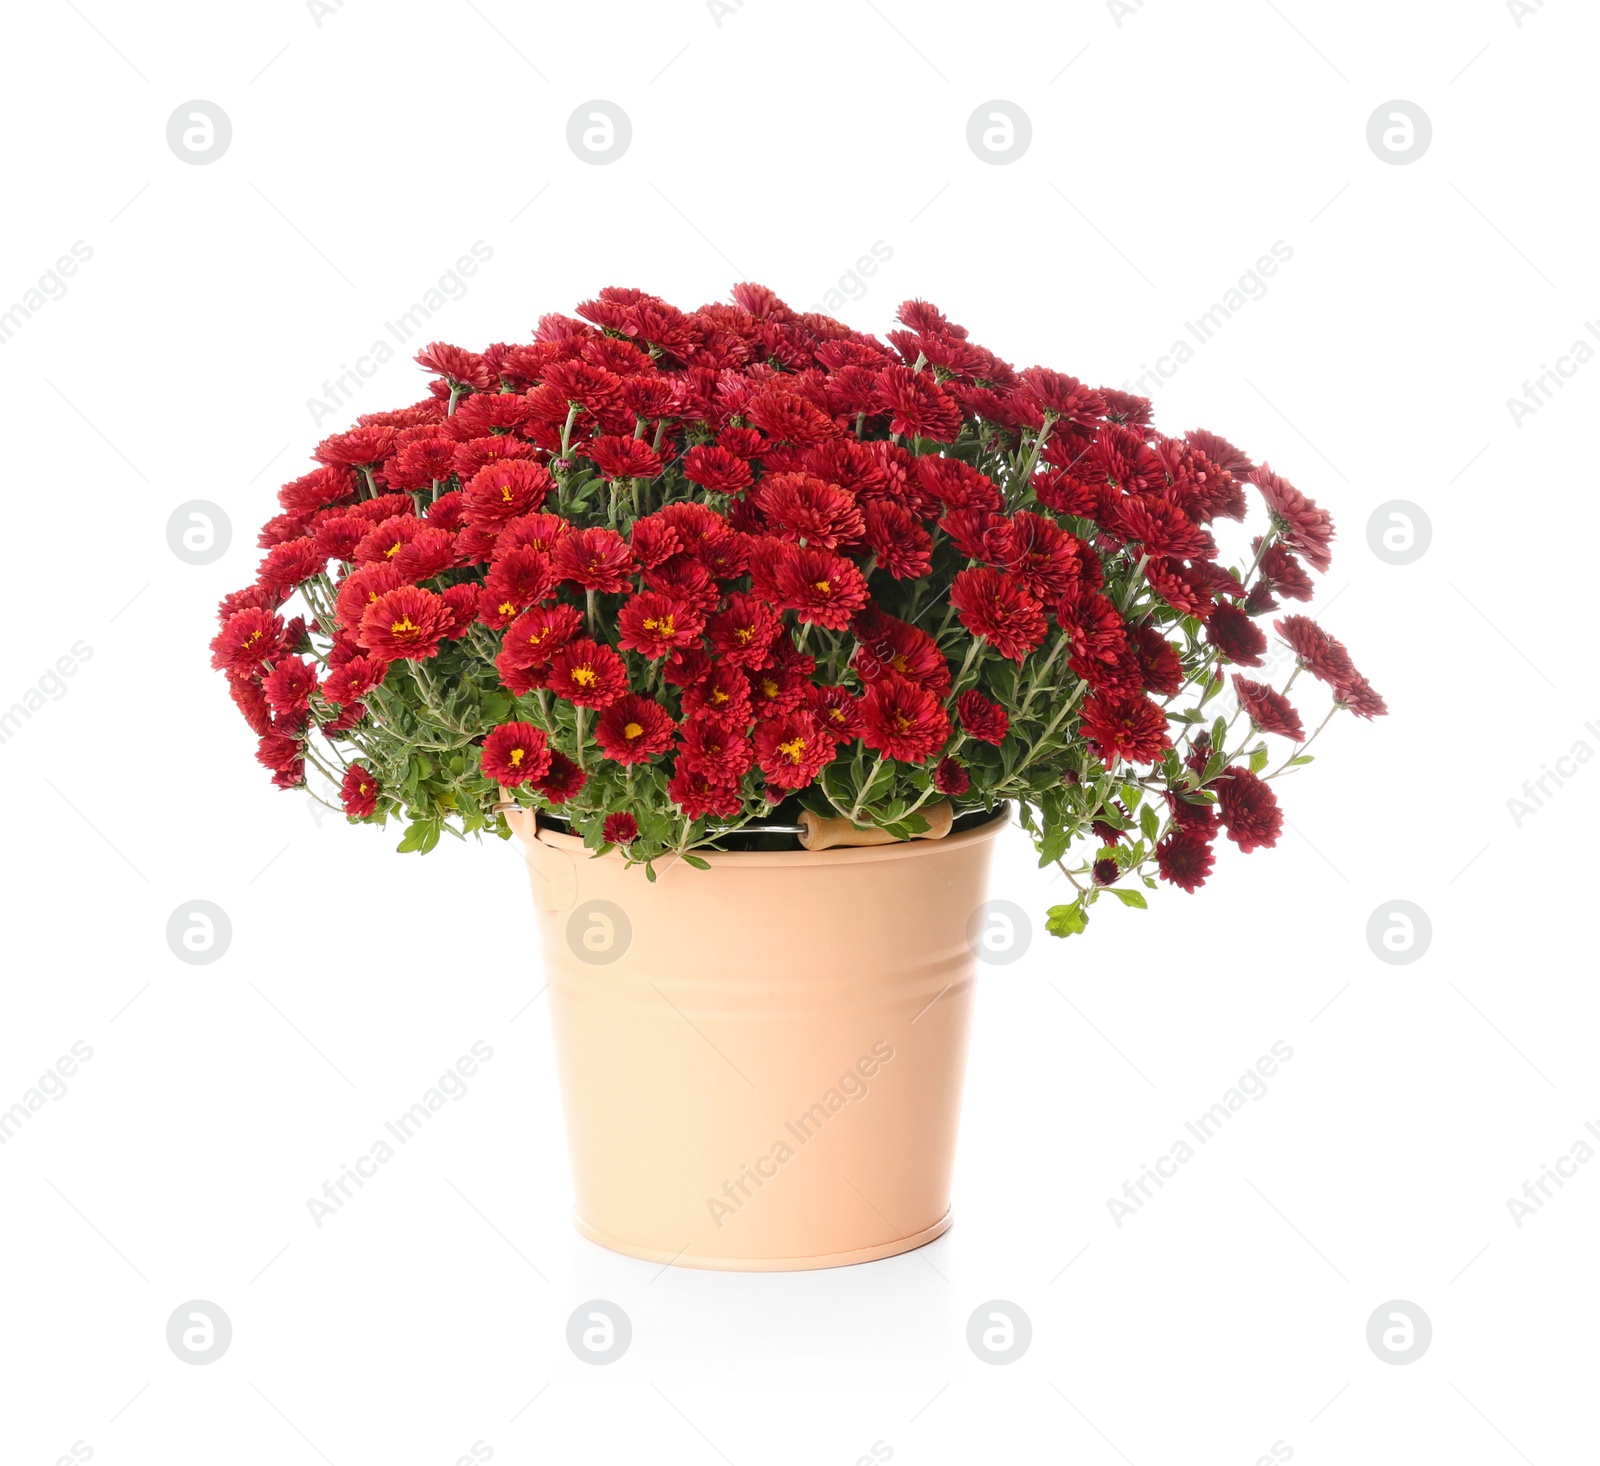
[1066, 921]
[1219, 734]
[697, 862]
[1258, 760]
[1149, 821]
[1129, 898]
[1304, 758]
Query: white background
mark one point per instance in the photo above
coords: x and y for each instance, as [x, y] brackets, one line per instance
[1169, 152]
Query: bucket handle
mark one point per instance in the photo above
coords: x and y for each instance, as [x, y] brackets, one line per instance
[551, 872]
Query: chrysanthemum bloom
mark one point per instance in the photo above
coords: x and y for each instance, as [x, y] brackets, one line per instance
[1133, 728]
[563, 782]
[587, 674]
[1158, 659]
[597, 559]
[621, 457]
[359, 792]
[1284, 573]
[620, 828]
[459, 367]
[836, 710]
[902, 720]
[1306, 528]
[722, 695]
[314, 490]
[1268, 709]
[792, 749]
[900, 544]
[1044, 557]
[247, 639]
[462, 603]
[409, 623]
[634, 729]
[1163, 529]
[955, 484]
[722, 753]
[820, 587]
[1235, 635]
[981, 719]
[1093, 628]
[1105, 872]
[428, 553]
[1247, 809]
[698, 795]
[279, 751]
[717, 469]
[798, 506]
[779, 688]
[1357, 694]
[337, 536]
[537, 635]
[421, 464]
[383, 541]
[996, 608]
[519, 578]
[1185, 858]
[359, 448]
[286, 565]
[289, 685]
[1323, 656]
[789, 419]
[360, 589]
[252, 704]
[656, 625]
[951, 777]
[916, 404]
[505, 491]
[890, 647]
[1170, 580]
[516, 753]
[741, 633]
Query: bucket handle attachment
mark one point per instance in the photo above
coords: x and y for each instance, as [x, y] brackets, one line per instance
[551, 873]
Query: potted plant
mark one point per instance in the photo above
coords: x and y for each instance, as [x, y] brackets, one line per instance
[753, 627]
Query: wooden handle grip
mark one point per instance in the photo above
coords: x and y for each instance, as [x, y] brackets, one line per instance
[821, 832]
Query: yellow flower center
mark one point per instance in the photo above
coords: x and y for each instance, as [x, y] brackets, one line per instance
[585, 676]
[661, 625]
[744, 635]
[825, 586]
[769, 688]
[506, 608]
[393, 549]
[718, 695]
[631, 731]
[404, 627]
[515, 757]
[793, 750]
[253, 638]
[505, 493]
[903, 723]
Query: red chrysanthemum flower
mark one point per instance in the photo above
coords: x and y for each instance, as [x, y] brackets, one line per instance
[505, 491]
[1120, 727]
[951, 777]
[1185, 858]
[516, 753]
[997, 608]
[620, 828]
[359, 448]
[722, 694]
[247, 639]
[791, 749]
[916, 404]
[621, 457]
[798, 506]
[564, 781]
[1268, 709]
[1234, 634]
[837, 710]
[786, 418]
[406, 623]
[717, 469]
[359, 792]
[697, 794]
[981, 719]
[1305, 527]
[656, 625]
[1357, 694]
[900, 543]
[890, 647]
[289, 685]
[353, 680]
[360, 589]
[634, 729]
[722, 753]
[587, 674]
[1158, 659]
[519, 578]
[1284, 573]
[596, 559]
[1247, 809]
[903, 721]
[465, 368]
[820, 587]
[1322, 655]
[1044, 557]
[742, 632]
[537, 635]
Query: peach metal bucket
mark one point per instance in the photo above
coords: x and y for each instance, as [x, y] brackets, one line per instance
[761, 1063]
